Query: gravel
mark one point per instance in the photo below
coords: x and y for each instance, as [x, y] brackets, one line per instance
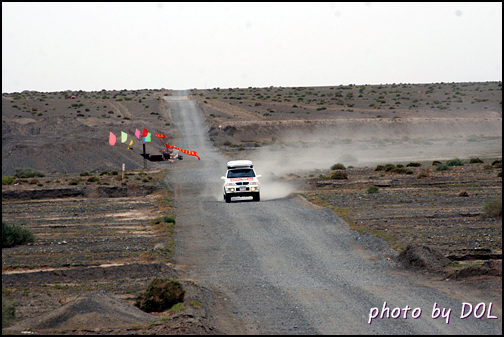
[281, 268]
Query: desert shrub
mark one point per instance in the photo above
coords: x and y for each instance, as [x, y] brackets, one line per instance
[497, 163]
[13, 235]
[455, 162]
[493, 208]
[442, 167]
[85, 174]
[93, 179]
[414, 164]
[7, 180]
[28, 173]
[373, 189]
[161, 294]
[169, 219]
[389, 167]
[423, 174]
[398, 170]
[338, 175]
[475, 161]
[338, 166]
[436, 162]
[8, 312]
[379, 168]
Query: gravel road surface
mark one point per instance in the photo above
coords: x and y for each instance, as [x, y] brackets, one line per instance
[281, 266]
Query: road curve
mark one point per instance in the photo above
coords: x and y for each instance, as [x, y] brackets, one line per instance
[281, 267]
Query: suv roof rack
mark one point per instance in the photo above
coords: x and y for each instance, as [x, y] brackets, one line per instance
[239, 163]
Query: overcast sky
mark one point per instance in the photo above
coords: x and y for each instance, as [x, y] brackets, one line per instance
[177, 45]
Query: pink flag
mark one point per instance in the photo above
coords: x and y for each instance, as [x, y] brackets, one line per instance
[137, 133]
[112, 139]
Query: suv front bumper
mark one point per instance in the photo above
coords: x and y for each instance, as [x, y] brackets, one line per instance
[242, 190]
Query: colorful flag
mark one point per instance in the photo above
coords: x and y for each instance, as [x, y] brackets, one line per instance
[131, 143]
[191, 153]
[137, 133]
[112, 139]
[160, 136]
[145, 132]
[124, 136]
[147, 138]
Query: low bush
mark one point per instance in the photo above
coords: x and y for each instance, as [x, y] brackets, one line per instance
[398, 170]
[475, 161]
[443, 167]
[373, 189]
[7, 180]
[414, 164]
[13, 235]
[169, 219]
[455, 162]
[493, 208]
[28, 173]
[338, 166]
[161, 295]
[423, 174]
[338, 175]
[389, 167]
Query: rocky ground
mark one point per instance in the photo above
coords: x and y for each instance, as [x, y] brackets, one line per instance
[101, 240]
[98, 245]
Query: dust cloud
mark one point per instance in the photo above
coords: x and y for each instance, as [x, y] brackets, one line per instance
[361, 143]
[301, 153]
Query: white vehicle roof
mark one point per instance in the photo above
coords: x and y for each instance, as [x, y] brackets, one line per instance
[239, 163]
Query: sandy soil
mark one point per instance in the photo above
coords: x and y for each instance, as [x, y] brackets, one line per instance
[93, 235]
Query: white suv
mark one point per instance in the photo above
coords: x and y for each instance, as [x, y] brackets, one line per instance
[241, 180]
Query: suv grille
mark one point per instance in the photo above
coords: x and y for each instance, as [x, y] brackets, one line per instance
[242, 183]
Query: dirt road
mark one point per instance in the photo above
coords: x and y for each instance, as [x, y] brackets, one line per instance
[280, 266]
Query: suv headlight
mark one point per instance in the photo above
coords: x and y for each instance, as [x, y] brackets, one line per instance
[253, 183]
[231, 184]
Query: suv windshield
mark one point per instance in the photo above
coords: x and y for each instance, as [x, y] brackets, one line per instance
[240, 173]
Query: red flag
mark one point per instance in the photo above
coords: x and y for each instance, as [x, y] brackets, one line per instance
[145, 133]
[191, 153]
[160, 136]
[112, 139]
